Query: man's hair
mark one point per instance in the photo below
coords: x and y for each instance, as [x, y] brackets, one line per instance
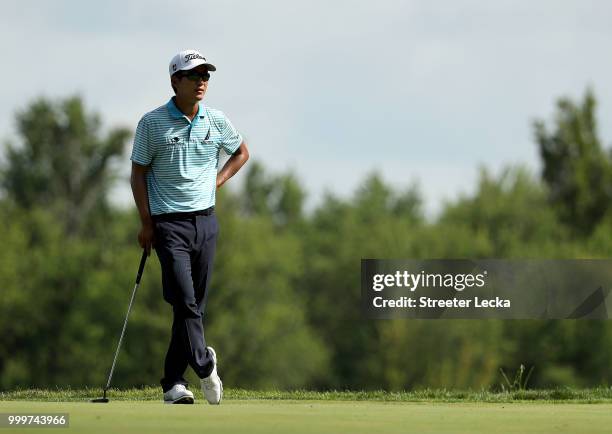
[177, 75]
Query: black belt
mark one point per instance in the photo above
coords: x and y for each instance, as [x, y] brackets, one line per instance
[183, 215]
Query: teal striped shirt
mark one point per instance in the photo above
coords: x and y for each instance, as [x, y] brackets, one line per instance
[183, 156]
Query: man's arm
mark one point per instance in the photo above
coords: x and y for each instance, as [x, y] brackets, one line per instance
[146, 236]
[233, 164]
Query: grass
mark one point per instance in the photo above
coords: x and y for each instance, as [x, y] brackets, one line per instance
[300, 412]
[323, 416]
[566, 395]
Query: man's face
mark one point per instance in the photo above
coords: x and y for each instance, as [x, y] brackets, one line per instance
[191, 85]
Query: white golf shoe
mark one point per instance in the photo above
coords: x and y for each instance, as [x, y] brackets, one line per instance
[212, 387]
[178, 395]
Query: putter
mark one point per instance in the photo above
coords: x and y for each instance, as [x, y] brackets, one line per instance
[110, 375]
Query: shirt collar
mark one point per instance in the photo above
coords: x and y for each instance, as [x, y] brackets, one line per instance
[176, 113]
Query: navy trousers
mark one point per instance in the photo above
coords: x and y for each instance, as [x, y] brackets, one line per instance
[185, 246]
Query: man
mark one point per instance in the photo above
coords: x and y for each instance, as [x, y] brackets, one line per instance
[174, 178]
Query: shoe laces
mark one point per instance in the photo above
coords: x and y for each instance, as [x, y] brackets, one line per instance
[208, 382]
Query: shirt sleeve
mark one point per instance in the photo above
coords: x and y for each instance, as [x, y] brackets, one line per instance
[230, 138]
[142, 152]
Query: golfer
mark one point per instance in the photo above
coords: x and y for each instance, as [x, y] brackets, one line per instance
[174, 179]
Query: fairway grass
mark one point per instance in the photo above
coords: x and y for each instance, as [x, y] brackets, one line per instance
[323, 416]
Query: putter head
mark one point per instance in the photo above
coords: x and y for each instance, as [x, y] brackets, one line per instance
[105, 400]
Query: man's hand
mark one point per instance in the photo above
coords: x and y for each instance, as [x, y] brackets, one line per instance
[146, 237]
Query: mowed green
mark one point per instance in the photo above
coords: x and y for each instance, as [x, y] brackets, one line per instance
[297, 417]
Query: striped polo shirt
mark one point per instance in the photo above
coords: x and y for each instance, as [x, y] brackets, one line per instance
[183, 156]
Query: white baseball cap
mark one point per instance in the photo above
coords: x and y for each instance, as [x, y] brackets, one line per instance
[188, 59]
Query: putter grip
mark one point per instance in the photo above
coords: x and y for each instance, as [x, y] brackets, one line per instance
[141, 267]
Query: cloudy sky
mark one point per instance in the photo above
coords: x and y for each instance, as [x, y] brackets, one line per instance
[418, 90]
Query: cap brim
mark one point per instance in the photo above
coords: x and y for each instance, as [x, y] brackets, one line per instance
[209, 66]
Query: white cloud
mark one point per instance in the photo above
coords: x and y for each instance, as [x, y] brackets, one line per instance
[321, 87]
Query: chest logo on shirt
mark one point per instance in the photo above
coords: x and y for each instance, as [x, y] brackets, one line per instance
[174, 142]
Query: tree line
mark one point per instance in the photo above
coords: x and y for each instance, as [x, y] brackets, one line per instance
[284, 311]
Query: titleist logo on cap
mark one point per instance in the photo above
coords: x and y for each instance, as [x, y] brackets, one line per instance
[192, 56]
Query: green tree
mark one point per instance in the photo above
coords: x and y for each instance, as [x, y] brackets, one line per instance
[507, 216]
[577, 171]
[257, 190]
[280, 197]
[284, 310]
[62, 161]
[375, 223]
[255, 314]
